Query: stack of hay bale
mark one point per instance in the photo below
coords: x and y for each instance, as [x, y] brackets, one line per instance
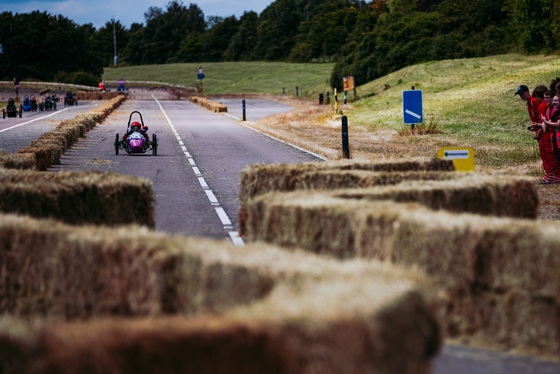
[474, 235]
[202, 305]
[212, 106]
[50, 146]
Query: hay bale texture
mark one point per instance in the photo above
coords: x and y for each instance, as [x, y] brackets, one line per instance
[77, 197]
[41, 155]
[261, 178]
[212, 106]
[87, 96]
[18, 161]
[54, 143]
[498, 272]
[273, 310]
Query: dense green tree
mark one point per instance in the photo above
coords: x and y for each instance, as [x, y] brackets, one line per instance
[103, 41]
[278, 26]
[219, 37]
[133, 50]
[164, 31]
[532, 23]
[38, 45]
[404, 36]
[192, 48]
[325, 34]
[242, 44]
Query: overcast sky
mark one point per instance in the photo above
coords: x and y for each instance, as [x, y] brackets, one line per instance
[98, 12]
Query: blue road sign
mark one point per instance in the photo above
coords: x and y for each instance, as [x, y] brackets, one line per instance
[412, 107]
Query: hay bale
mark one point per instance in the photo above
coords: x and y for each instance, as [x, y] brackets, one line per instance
[66, 271]
[209, 104]
[42, 156]
[458, 248]
[78, 197]
[87, 96]
[295, 311]
[20, 161]
[471, 193]
[50, 146]
[463, 253]
[260, 179]
[56, 145]
[455, 192]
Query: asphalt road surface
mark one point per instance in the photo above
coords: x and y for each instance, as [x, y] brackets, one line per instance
[195, 178]
[195, 174]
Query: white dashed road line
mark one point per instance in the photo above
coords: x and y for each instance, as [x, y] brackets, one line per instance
[222, 215]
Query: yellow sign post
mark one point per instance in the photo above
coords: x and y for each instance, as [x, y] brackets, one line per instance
[348, 83]
[463, 158]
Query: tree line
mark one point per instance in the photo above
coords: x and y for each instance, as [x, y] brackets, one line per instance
[366, 39]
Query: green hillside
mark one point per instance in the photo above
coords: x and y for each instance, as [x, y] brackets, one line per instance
[470, 100]
[234, 77]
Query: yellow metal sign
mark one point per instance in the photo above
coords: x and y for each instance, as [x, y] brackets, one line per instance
[348, 83]
[463, 158]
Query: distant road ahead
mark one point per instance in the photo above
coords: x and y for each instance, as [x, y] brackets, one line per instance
[196, 173]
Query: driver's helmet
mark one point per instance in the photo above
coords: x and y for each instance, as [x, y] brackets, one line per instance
[10, 101]
[135, 126]
[32, 97]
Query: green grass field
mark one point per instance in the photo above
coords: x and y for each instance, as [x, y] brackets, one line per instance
[235, 77]
[471, 101]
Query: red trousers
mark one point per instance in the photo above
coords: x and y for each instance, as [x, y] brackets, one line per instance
[550, 155]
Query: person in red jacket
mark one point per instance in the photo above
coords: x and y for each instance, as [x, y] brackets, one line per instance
[551, 125]
[544, 135]
[532, 103]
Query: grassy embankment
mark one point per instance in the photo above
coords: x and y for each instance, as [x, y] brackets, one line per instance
[469, 102]
[235, 77]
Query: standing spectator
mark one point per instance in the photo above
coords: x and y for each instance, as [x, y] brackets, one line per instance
[551, 124]
[532, 103]
[544, 136]
[538, 93]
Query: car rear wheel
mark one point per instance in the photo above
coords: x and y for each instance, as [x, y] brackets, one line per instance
[117, 141]
[154, 144]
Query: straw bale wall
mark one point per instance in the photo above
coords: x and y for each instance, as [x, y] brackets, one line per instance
[500, 274]
[54, 143]
[19, 160]
[208, 104]
[87, 96]
[272, 310]
[260, 179]
[77, 197]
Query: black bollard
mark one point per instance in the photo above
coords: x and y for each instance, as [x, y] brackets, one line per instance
[328, 97]
[283, 90]
[297, 91]
[345, 142]
[243, 106]
[320, 99]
